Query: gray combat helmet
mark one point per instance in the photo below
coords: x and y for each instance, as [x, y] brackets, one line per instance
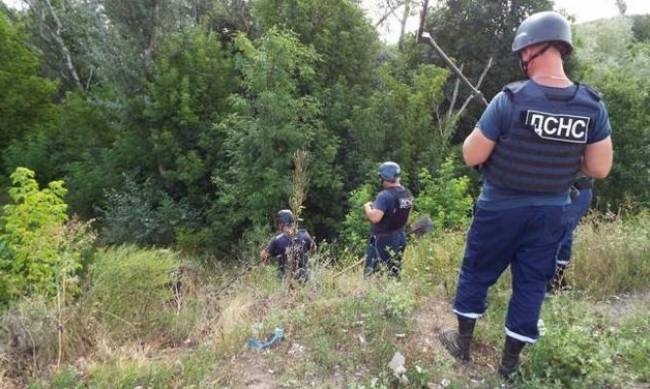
[285, 217]
[543, 27]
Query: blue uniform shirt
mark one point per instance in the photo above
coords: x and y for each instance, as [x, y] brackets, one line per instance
[497, 118]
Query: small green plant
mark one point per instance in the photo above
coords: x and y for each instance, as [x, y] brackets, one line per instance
[395, 300]
[445, 197]
[434, 261]
[356, 227]
[37, 254]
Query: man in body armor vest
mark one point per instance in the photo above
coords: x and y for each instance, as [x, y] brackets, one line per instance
[388, 215]
[581, 196]
[531, 141]
[290, 248]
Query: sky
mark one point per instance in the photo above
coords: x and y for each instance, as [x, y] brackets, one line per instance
[583, 10]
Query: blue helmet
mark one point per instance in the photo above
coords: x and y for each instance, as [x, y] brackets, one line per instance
[389, 171]
[285, 217]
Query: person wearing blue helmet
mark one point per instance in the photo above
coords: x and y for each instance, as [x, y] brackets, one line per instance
[388, 215]
[530, 142]
[290, 248]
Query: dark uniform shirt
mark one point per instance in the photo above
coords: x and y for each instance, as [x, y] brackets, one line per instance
[396, 203]
[280, 246]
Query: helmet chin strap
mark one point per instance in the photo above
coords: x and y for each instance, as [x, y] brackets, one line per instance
[524, 64]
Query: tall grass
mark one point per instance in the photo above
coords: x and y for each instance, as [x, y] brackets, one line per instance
[146, 318]
[611, 256]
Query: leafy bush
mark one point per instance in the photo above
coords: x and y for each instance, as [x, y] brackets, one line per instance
[133, 289]
[39, 253]
[356, 227]
[139, 213]
[445, 197]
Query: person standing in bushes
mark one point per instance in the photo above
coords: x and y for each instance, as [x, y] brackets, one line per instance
[530, 143]
[388, 215]
[581, 196]
[291, 247]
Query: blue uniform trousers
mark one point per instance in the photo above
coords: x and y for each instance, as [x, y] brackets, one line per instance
[574, 212]
[387, 249]
[526, 239]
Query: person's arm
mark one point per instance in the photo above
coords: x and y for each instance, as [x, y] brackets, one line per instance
[477, 148]
[599, 154]
[264, 255]
[373, 214]
[267, 251]
[598, 158]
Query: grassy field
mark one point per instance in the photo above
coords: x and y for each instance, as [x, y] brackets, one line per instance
[150, 318]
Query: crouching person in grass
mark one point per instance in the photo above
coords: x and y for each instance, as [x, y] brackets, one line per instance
[291, 248]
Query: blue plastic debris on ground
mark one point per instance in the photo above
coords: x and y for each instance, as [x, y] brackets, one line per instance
[272, 340]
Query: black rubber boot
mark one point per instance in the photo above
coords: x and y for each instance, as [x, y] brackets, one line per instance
[458, 342]
[510, 359]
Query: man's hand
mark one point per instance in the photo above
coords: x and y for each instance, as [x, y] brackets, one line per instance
[264, 256]
[373, 214]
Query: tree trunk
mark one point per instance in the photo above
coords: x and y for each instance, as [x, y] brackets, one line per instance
[67, 57]
[405, 16]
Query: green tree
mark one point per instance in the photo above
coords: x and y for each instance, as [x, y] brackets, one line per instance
[336, 29]
[641, 27]
[349, 48]
[26, 98]
[398, 121]
[610, 60]
[472, 31]
[273, 120]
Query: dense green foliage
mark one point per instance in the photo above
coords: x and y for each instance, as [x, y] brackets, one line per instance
[445, 198]
[175, 123]
[25, 102]
[616, 60]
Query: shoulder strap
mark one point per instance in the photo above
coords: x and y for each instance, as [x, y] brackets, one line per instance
[514, 87]
[594, 93]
